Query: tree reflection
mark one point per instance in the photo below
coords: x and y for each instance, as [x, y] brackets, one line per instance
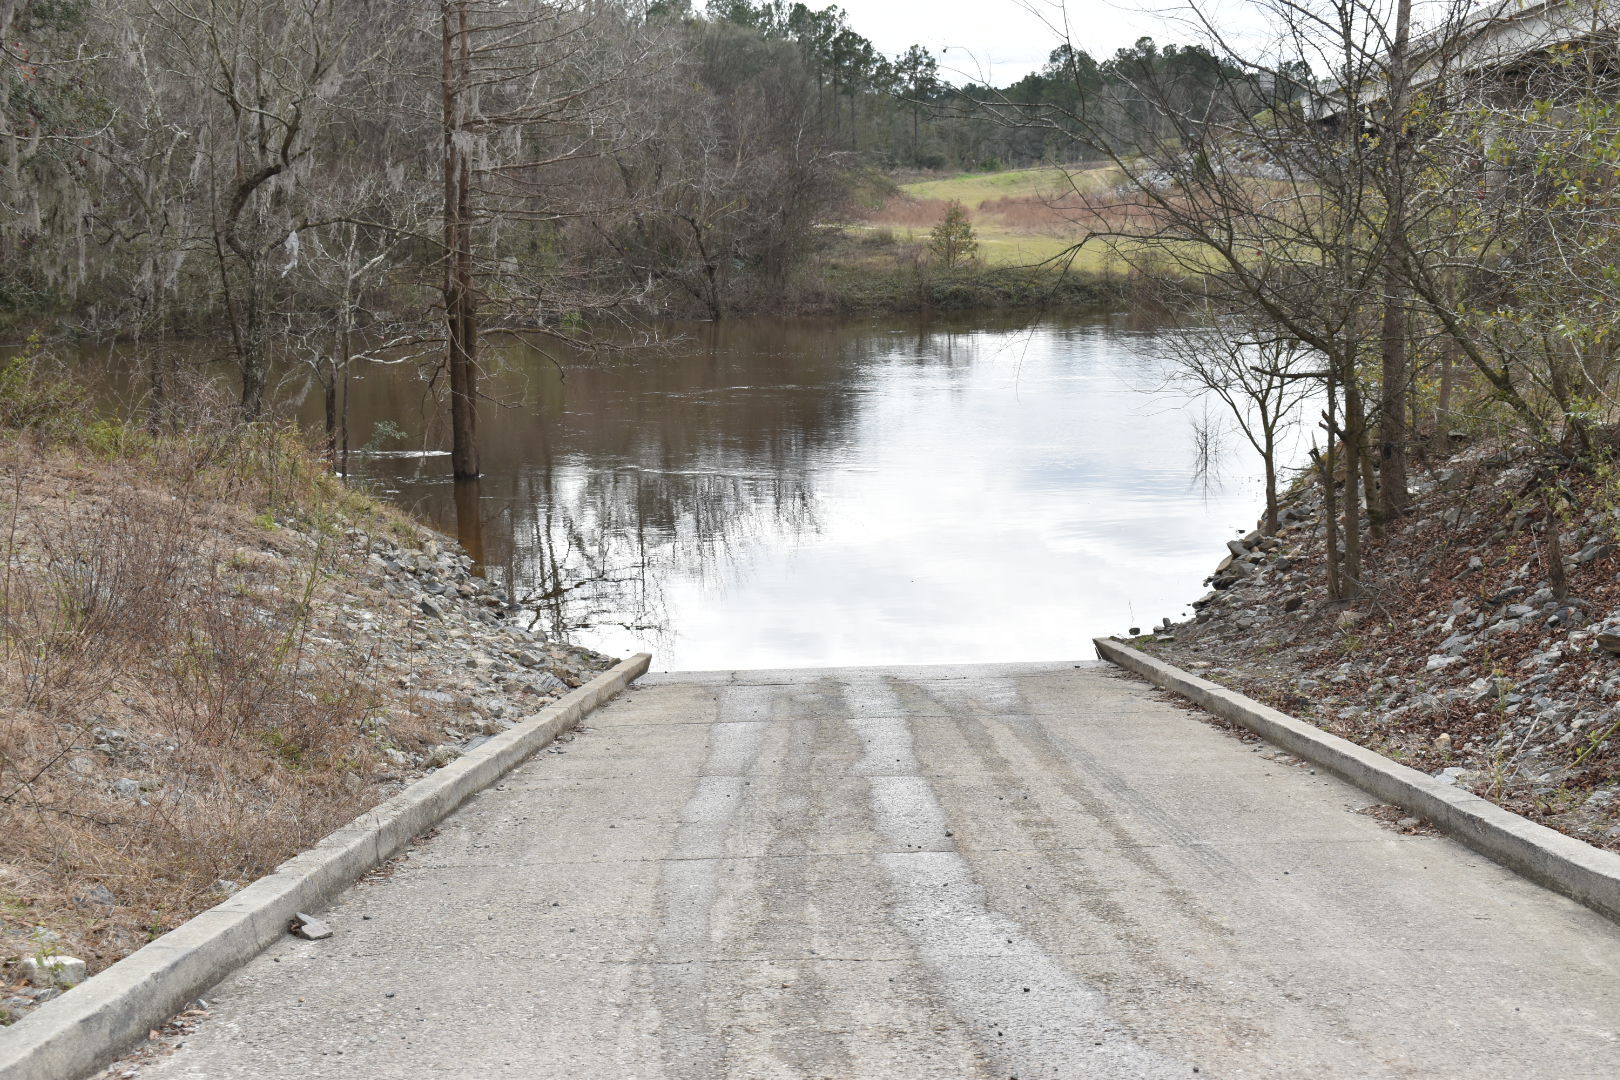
[610, 479]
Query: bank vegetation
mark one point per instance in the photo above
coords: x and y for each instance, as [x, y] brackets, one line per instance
[212, 653]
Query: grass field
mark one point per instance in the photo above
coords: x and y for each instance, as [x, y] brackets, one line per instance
[1020, 217]
[971, 189]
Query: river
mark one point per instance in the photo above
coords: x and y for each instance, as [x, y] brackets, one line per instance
[813, 492]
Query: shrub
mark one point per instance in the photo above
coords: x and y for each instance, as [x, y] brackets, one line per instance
[952, 241]
[37, 395]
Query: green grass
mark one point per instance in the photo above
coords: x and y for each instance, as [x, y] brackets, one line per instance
[1013, 244]
[973, 188]
[1001, 247]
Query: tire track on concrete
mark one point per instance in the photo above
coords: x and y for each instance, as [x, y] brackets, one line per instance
[689, 885]
[1012, 711]
[1030, 1016]
[789, 904]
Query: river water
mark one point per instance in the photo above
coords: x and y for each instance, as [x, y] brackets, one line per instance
[799, 493]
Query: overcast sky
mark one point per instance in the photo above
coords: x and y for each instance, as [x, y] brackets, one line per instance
[999, 41]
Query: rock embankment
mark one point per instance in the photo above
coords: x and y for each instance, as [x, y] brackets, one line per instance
[1482, 648]
[469, 652]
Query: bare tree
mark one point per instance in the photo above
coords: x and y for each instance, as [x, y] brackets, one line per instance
[526, 89]
[1261, 380]
[264, 78]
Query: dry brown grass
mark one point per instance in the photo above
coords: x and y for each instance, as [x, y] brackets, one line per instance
[178, 703]
[1070, 217]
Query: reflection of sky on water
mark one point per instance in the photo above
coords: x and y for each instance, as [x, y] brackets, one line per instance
[1008, 508]
[828, 494]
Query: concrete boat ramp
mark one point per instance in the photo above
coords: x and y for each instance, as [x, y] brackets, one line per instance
[1017, 871]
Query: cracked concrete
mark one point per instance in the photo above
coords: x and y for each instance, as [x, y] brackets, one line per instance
[989, 872]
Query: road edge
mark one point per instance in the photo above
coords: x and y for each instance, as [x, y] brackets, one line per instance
[1562, 863]
[89, 1026]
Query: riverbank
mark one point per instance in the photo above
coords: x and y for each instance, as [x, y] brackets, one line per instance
[215, 654]
[1465, 657]
[893, 286]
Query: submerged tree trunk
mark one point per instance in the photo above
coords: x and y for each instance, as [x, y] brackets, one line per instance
[330, 383]
[470, 522]
[460, 311]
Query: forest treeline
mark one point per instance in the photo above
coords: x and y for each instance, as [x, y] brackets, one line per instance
[171, 165]
[320, 180]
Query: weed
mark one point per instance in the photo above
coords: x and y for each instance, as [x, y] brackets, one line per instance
[1596, 741]
[382, 433]
[142, 635]
[36, 395]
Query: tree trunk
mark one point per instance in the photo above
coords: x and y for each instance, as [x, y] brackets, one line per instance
[1330, 518]
[1394, 492]
[1273, 522]
[1394, 495]
[157, 410]
[343, 426]
[331, 386]
[1351, 515]
[1330, 507]
[1442, 405]
[252, 355]
[461, 329]
[470, 522]
[1555, 557]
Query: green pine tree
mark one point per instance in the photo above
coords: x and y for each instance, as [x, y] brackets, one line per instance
[952, 241]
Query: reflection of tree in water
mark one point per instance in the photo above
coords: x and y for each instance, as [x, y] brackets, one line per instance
[631, 475]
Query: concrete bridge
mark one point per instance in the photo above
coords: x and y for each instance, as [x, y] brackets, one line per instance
[1000, 872]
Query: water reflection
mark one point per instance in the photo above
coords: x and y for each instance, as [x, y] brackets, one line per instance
[810, 492]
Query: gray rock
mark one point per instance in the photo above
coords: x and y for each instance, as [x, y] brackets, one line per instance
[430, 608]
[126, 787]
[62, 972]
[308, 927]
[1546, 659]
[1457, 644]
[1595, 551]
[1453, 775]
[442, 755]
[102, 896]
[1441, 663]
[1570, 617]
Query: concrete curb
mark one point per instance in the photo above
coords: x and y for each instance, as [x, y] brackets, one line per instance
[1545, 856]
[97, 1020]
